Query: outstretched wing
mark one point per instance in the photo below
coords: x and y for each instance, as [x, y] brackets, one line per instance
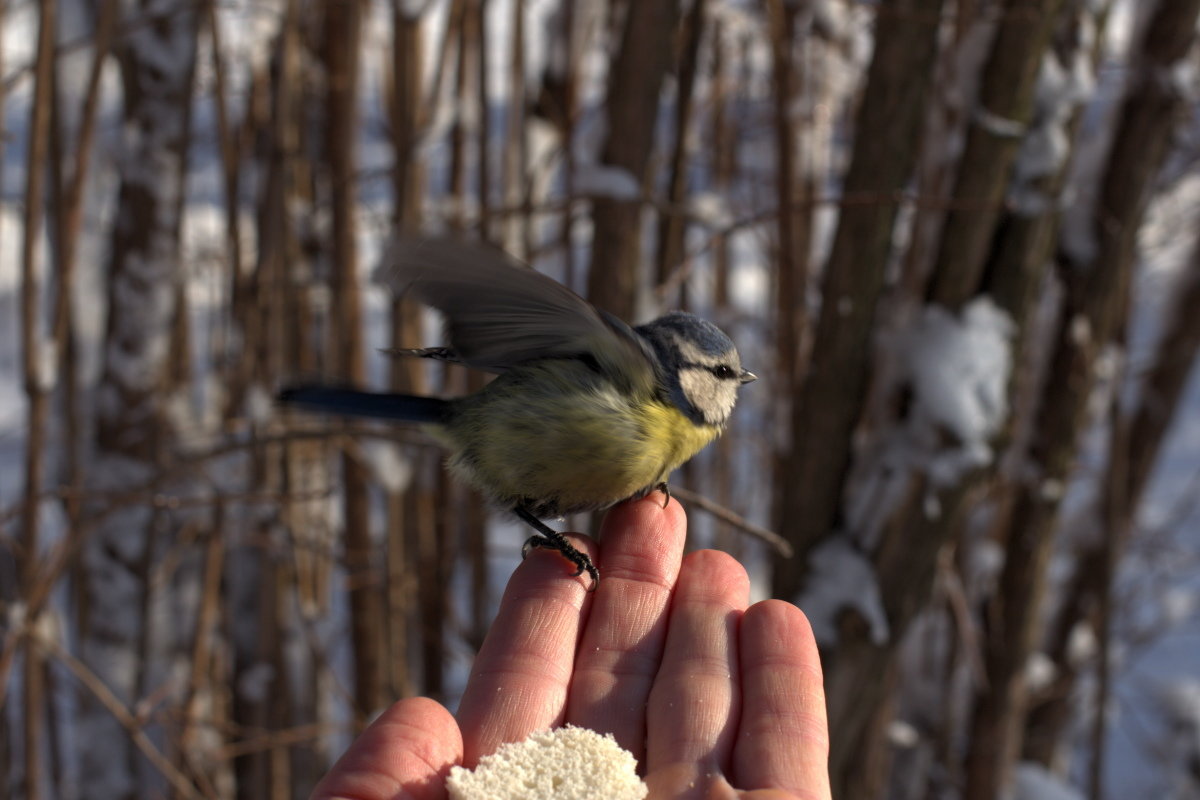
[500, 313]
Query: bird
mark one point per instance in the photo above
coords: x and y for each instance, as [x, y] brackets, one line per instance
[585, 410]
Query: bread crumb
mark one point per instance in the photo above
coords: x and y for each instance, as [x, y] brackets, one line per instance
[568, 763]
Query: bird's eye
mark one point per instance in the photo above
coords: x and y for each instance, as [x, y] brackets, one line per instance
[724, 372]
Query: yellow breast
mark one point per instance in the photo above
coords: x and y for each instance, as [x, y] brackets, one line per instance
[561, 446]
[674, 438]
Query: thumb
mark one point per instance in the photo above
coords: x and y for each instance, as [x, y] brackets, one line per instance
[406, 753]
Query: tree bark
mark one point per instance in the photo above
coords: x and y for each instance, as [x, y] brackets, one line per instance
[343, 21]
[407, 374]
[1097, 288]
[1001, 116]
[672, 227]
[828, 404]
[37, 392]
[634, 85]
[132, 429]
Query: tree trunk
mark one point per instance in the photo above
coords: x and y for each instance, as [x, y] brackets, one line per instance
[634, 84]
[132, 430]
[342, 47]
[999, 123]
[37, 392]
[827, 407]
[407, 374]
[672, 226]
[1097, 285]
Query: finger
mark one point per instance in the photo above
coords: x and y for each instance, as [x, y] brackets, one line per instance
[688, 782]
[627, 623]
[518, 684]
[693, 707]
[407, 752]
[694, 782]
[783, 741]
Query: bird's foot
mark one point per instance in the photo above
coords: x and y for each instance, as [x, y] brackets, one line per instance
[553, 540]
[666, 490]
[580, 559]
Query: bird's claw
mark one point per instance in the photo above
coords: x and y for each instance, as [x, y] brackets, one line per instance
[580, 559]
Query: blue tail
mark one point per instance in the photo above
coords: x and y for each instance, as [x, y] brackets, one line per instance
[353, 403]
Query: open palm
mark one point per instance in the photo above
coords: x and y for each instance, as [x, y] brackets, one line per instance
[707, 691]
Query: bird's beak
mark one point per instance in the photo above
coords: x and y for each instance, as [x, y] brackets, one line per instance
[747, 376]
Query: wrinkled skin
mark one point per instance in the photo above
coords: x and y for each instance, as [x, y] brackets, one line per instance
[706, 690]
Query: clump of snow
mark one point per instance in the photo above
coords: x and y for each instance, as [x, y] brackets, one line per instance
[958, 369]
[1061, 89]
[1082, 646]
[841, 578]
[1040, 672]
[903, 734]
[750, 278]
[1077, 234]
[711, 209]
[254, 683]
[1032, 781]
[997, 125]
[985, 559]
[260, 404]
[388, 465]
[603, 180]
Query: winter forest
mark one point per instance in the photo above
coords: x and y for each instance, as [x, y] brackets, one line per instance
[956, 239]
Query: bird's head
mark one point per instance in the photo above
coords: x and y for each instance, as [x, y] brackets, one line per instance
[699, 365]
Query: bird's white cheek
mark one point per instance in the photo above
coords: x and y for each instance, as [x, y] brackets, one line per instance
[697, 388]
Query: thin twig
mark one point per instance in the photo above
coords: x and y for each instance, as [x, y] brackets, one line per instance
[92, 682]
[284, 737]
[772, 539]
[951, 583]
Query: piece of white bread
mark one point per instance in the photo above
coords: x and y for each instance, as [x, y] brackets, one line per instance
[569, 763]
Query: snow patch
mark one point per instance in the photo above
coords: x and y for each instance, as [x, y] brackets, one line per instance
[1082, 646]
[997, 125]
[750, 278]
[260, 404]
[602, 180]
[903, 734]
[388, 465]
[959, 372]
[711, 209]
[1032, 781]
[956, 368]
[255, 682]
[1040, 672]
[842, 579]
[1061, 90]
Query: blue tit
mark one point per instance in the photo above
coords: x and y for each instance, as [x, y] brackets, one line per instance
[585, 411]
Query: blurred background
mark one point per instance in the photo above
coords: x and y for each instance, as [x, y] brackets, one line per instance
[957, 239]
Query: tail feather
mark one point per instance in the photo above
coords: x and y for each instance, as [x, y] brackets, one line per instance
[351, 402]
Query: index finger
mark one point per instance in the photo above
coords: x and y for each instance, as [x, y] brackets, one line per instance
[519, 681]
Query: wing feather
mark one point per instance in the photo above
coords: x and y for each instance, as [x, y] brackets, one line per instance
[500, 313]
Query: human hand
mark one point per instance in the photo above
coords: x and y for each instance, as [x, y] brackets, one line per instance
[707, 691]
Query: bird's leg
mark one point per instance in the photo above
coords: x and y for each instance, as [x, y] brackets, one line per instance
[552, 539]
[436, 353]
[666, 490]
